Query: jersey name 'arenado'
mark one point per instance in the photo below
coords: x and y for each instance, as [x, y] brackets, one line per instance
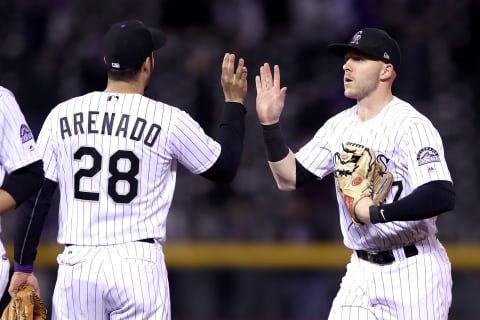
[92, 122]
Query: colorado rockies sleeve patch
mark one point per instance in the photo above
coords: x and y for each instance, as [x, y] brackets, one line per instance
[427, 155]
[25, 133]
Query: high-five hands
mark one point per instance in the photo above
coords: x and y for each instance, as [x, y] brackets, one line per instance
[270, 97]
[234, 83]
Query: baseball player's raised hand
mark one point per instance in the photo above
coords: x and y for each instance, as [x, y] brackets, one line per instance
[270, 96]
[234, 82]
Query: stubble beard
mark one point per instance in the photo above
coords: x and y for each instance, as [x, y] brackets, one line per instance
[359, 91]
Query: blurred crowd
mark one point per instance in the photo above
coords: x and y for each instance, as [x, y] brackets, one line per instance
[51, 50]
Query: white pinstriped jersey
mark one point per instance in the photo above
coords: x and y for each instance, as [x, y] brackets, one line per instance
[17, 144]
[114, 157]
[406, 142]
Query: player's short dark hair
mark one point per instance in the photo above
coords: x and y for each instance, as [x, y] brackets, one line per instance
[126, 75]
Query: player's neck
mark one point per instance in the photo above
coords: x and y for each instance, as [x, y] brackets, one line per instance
[370, 106]
[125, 87]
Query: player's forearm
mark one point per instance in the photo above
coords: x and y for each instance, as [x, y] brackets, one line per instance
[31, 216]
[7, 202]
[284, 172]
[428, 200]
[280, 158]
[231, 137]
[19, 185]
[23, 183]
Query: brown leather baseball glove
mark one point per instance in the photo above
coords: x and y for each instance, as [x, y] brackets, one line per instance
[25, 305]
[359, 176]
[382, 183]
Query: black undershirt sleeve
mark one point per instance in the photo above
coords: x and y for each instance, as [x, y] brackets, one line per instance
[275, 145]
[303, 176]
[24, 182]
[428, 200]
[230, 136]
[277, 149]
[30, 218]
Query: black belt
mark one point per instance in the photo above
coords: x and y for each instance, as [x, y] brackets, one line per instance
[385, 257]
[148, 240]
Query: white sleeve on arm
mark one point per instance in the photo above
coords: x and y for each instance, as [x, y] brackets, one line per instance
[191, 146]
[315, 155]
[17, 143]
[46, 148]
[424, 150]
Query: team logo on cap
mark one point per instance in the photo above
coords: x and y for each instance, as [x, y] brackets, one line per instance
[356, 37]
[427, 155]
[25, 133]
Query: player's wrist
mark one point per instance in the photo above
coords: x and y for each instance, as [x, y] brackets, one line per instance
[234, 109]
[274, 143]
[25, 268]
[361, 212]
[235, 100]
[376, 215]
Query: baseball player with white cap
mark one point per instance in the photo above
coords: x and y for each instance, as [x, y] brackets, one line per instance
[21, 167]
[398, 268]
[113, 156]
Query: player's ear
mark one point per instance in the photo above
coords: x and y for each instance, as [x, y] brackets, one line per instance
[148, 64]
[387, 71]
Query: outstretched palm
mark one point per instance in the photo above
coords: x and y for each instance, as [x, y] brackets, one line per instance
[270, 96]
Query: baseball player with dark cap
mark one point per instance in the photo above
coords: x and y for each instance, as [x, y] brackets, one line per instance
[373, 42]
[122, 37]
[114, 155]
[398, 268]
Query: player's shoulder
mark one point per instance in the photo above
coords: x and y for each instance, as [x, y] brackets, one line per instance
[160, 104]
[163, 110]
[406, 113]
[120, 101]
[72, 100]
[342, 116]
[4, 92]
[8, 102]
[173, 112]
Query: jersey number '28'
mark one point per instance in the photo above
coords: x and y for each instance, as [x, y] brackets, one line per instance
[116, 175]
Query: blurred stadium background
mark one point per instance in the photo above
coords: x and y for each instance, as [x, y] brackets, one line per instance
[247, 251]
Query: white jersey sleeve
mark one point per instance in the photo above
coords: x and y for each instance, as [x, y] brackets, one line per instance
[191, 146]
[317, 155]
[17, 144]
[46, 147]
[424, 153]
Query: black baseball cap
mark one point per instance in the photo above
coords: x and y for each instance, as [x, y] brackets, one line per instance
[373, 42]
[127, 44]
